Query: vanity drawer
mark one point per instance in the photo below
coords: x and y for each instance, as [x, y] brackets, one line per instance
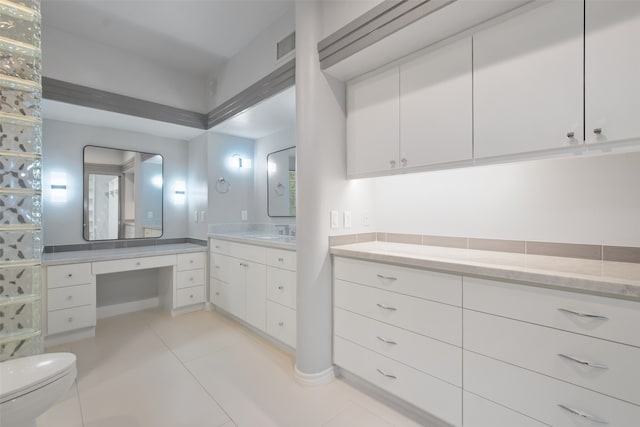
[539, 396]
[424, 391]
[188, 296]
[569, 311]
[479, 412]
[281, 286]
[432, 319]
[281, 323]
[117, 265]
[425, 284]
[71, 296]
[219, 246]
[71, 318]
[539, 349]
[191, 261]
[190, 278]
[69, 274]
[220, 265]
[281, 258]
[430, 356]
[249, 252]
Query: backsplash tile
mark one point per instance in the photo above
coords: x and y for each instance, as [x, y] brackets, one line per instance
[570, 250]
[445, 241]
[414, 239]
[513, 246]
[621, 254]
[367, 237]
[346, 239]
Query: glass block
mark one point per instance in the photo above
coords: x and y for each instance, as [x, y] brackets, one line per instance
[21, 30]
[19, 322]
[21, 348]
[20, 173]
[31, 4]
[20, 209]
[20, 102]
[18, 282]
[20, 245]
[20, 137]
[21, 65]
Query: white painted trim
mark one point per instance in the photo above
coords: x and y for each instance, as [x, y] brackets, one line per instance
[313, 380]
[187, 309]
[127, 307]
[67, 337]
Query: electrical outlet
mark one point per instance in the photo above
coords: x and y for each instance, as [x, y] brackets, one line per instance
[195, 216]
[244, 215]
[334, 219]
[346, 219]
[366, 221]
[203, 216]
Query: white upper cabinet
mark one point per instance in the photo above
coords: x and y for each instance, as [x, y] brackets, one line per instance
[528, 81]
[373, 110]
[436, 107]
[612, 70]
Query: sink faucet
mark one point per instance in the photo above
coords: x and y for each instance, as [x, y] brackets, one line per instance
[283, 229]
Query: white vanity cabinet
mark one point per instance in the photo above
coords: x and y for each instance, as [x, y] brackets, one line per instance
[71, 298]
[281, 295]
[190, 279]
[527, 83]
[612, 67]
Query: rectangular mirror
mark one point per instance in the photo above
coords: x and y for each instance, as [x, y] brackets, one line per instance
[122, 194]
[281, 182]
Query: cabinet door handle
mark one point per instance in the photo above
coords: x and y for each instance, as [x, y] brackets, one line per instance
[583, 414]
[191, 279]
[70, 297]
[281, 324]
[281, 259]
[386, 307]
[217, 293]
[190, 261]
[69, 275]
[387, 375]
[386, 277]
[577, 313]
[386, 341]
[582, 361]
[597, 131]
[281, 288]
[244, 264]
[70, 319]
[404, 162]
[570, 135]
[138, 264]
[392, 163]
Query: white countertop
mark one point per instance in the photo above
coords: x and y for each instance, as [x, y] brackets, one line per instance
[71, 257]
[615, 279]
[253, 238]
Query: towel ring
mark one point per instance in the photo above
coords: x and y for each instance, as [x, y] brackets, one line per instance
[222, 185]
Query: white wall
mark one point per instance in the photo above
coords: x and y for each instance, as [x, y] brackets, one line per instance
[591, 200]
[80, 61]
[253, 62]
[338, 13]
[63, 145]
[197, 188]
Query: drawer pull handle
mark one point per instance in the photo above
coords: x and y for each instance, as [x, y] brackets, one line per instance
[386, 341]
[577, 313]
[386, 307]
[70, 297]
[583, 362]
[69, 275]
[281, 259]
[583, 414]
[244, 264]
[217, 293]
[281, 288]
[218, 267]
[217, 247]
[70, 319]
[387, 277]
[387, 375]
[190, 261]
[138, 264]
[281, 324]
[191, 279]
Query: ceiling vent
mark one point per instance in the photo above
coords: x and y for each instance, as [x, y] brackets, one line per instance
[286, 45]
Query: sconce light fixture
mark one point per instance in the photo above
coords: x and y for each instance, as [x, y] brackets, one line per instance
[180, 192]
[58, 187]
[272, 168]
[156, 180]
[237, 162]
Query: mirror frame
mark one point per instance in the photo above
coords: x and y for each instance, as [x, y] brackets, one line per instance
[85, 198]
[268, 194]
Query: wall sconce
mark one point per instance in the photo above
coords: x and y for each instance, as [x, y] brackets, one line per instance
[179, 193]
[59, 187]
[272, 168]
[156, 180]
[237, 162]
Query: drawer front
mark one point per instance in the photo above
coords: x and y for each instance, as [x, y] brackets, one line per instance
[229, 297]
[425, 284]
[428, 393]
[69, 274]
[248, 252]
[539, 349]
[281, 323]
[220, 267]
[479, 412]
[191, 261]
[131, 264]
[431, 356]
[281, 286]
[71, 296]
[190, 278]
[219, 246]
[188, 296]
[71, 318]
[432, 319]
[547, 307]
[281, 258]
[539, 396]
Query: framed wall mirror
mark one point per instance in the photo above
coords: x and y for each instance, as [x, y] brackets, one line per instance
[281, 183]
[122, 194]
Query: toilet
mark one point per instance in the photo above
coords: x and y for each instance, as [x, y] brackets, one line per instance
[31, 385]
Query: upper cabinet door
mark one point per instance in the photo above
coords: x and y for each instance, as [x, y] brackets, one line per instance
[436, 107]
[612, 70]
[373, 123]
[528, 81]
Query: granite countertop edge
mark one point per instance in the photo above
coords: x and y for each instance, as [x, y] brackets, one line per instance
[240, 238]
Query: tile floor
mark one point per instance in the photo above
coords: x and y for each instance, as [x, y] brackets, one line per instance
[201, 369]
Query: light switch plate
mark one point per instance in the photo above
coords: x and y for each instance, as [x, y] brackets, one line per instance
[366, 220]
[334, 219]
[244, 215]
[195, 216]
[346, 219]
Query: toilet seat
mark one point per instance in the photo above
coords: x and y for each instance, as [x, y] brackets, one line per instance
[26, 374]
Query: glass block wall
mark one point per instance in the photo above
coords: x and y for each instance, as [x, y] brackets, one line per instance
[20, 179]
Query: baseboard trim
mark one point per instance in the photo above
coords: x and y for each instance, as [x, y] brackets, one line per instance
[314, 380]
[127, 307]
[67, 337]
[188, 309]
